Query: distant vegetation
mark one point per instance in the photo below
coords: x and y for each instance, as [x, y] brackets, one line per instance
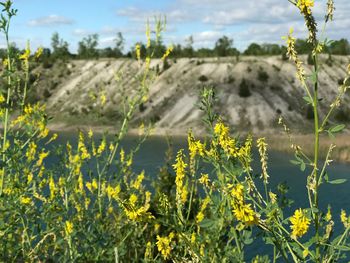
[88, 49]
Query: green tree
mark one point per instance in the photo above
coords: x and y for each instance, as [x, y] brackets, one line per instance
[271, 49]
[188, 51]
[87, 48]
[59, 47]
[223, 46]
[340, 47]
[119, 44]
[254, 49]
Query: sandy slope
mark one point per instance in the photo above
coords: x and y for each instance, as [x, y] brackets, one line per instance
[175, 91]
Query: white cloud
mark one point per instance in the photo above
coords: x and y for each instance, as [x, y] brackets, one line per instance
[51, 20]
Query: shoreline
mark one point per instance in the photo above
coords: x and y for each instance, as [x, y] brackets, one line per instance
[277, 141]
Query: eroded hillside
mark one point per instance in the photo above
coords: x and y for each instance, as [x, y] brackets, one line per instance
[252, 91]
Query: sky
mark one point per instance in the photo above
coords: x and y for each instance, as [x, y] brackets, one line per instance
[259, 21]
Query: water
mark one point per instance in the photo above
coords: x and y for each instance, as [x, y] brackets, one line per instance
[151, 157]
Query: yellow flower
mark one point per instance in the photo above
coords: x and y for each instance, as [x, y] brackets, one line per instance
[200, 215]
[25, 200]
[273, 197]
[245, 214]
[138, 51]
[30, 153]
[300, 223]
[25, 55]
[227, 143]
[39, 52]
[2, 98]
[90, 133]
[42, 156]
[292, 54]
[52, 187]
[133, 199]
[68, 228]
[148, 252]
[113, 192]
[180, 167]
[262, 145]
[237, 192]
[103, 99]
[29, 177]
[204, 180]
[82, 148]
[137, 183]
[148, 35]
[94, 184]
[122, 155]
[344, 219]
[328, 216]
[167, 52]
[164, 245]
[305, 6]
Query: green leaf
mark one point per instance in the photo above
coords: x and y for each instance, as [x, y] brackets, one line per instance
[295, 162]
[313, 77]
[302, 166]
[207, 223]
[337, 128]
[337, 181]
[330, 134]
[308, 100]
[326, 177]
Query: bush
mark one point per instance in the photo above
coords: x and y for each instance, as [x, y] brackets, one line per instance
[244, 91]
[262, 75]
[203, 78]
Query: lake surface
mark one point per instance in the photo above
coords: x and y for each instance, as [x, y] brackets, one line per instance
[151, 157]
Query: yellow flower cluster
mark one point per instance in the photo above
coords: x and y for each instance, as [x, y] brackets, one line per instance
[82, 148]
[293, 55]
[138, 182]
[25, 55]
[344, 219]
[31, 151]
[33, 117]
[204, 180]
[113, 192]
[181, 189]
[41, 158]
[305, 6]
[25, 200]
[164, 245]
[262, 147]
[195, 147]
[92, 186]
[68, 228]
[167, 52]
[74, 161]
[135, 213]
[300, 223]
[227, 143]
[242, 211]
[138, 51]
[200, 215]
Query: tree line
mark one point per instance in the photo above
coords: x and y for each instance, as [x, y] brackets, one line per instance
[88, 48]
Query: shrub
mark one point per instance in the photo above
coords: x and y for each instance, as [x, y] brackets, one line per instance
[244, 90]
[262, 75]
[203, 78]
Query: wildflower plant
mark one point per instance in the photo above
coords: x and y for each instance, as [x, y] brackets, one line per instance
[92, 205]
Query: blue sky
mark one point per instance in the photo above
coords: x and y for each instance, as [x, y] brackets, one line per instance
[206, 20]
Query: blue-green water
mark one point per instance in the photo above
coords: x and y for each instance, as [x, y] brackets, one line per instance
[151, 157]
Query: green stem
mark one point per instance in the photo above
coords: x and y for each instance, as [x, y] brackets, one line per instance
[316, 156]
[6, 119]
